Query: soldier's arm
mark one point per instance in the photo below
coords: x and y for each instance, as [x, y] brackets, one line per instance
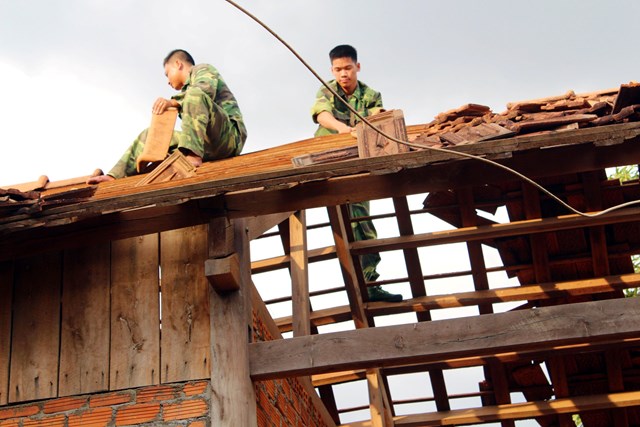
[327, 120]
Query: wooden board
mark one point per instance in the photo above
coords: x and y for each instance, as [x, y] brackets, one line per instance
[629, 94]
[36, 328]
[6, 291]
[372, 144]
[158, 138]
[84, 350]
[326, 156]
[175, 166]
[531, 125]
[135, 313]
[526, 331]
[185, 305]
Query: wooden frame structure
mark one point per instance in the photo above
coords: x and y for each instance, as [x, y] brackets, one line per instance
[569, 345]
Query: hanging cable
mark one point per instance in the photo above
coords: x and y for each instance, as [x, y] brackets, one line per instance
[425, 147]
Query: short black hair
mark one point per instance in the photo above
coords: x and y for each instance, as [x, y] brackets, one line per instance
[343, 51]
[181, 54]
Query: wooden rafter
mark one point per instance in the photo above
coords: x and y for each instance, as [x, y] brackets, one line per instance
[462, 299]
[515, 411]
[354, 283]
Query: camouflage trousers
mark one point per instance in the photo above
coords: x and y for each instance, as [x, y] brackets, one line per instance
[365, 230]
[206, 131]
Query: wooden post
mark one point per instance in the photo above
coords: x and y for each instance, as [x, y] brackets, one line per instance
[6, 289]
[233, 401]
[222, 268]
[299, 275]
[379, 407]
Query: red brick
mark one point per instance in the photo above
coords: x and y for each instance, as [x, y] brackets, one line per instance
[57, 421]
[263, 421]
[185, 410]
[195, 388]
[20, 411]
[263, 400]
[271, 388]
[137, 414]
[273, 415]
[64, 404]
[197, 424]
[286, 388]
[306, 417]
[97, 417]
[291, 415]
[9, 423]
[282, 403]
[109, 399]
[156, 394]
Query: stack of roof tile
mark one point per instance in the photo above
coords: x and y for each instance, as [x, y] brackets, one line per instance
[474, 123]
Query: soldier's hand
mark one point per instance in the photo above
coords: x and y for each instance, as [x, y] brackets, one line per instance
[345, 129]
[161, 105]
[100, 178]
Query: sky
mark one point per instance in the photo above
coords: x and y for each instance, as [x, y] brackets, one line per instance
[80, 76]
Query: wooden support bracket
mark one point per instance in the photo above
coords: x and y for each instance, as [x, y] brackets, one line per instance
[223, 273]
[372, 144]
[173, 167]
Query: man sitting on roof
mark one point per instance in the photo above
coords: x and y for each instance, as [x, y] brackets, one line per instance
[334, 117]
[212, 124]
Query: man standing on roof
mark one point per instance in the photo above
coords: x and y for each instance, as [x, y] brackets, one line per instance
[333, 117]
[212, 124]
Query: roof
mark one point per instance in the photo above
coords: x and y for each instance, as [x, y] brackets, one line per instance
[548, 256]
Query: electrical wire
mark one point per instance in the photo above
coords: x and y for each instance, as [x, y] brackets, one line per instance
[419, 146]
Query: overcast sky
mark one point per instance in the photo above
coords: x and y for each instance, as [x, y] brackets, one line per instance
[80, 75]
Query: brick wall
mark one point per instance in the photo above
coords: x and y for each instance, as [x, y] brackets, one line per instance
[180, 404]
[282, 403]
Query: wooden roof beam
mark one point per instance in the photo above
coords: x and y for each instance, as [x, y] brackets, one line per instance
[520, 331]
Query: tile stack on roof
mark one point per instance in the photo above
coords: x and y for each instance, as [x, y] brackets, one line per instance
[474, 123]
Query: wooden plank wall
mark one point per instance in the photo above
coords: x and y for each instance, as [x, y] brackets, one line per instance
[185, 304]
[6, 291]
[89, 319]
[135, 310]
[84, 338]
[35, 333]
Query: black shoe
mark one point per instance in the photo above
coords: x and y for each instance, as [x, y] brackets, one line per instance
[376, 293]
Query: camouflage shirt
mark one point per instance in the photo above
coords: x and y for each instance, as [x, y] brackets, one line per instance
[207, 78]
[364, 100]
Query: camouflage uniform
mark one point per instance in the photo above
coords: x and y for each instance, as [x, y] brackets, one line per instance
[365, 101]
[212, 125]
